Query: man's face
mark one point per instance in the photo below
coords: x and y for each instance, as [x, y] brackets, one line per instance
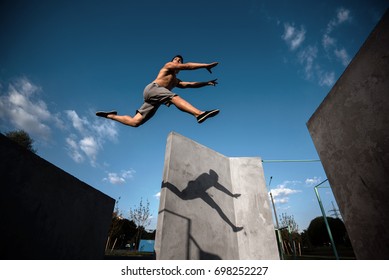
[177, 59]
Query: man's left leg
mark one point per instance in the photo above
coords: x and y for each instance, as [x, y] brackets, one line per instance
[185, 106]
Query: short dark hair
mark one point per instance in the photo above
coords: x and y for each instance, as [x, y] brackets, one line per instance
[182, 59]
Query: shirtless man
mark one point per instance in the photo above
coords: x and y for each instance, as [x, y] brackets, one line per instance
[159, 92]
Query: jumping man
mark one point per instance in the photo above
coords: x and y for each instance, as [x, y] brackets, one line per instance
[159, 92]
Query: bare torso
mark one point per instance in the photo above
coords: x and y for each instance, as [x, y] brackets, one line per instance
[166, 78]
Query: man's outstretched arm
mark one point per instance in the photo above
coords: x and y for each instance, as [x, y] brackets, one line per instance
[190, 66]
[182, 84]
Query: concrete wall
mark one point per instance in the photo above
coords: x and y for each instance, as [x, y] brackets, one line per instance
[350, 130]
[212, 206]
[46, 213]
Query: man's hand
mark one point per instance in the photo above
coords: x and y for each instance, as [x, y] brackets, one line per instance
[211, 65]
[212, 83]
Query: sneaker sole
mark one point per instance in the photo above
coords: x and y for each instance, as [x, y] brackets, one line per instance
[105, 114]
[208, 115]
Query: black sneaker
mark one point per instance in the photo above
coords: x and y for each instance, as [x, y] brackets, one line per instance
[207, 114]
[105, 114]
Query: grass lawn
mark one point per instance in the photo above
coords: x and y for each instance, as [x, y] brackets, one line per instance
[324, 253]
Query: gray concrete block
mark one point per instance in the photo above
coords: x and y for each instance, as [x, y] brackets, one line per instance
[47, 213]
[212, 206]
[350, 130]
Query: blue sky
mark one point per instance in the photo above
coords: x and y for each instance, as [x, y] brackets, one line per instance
[60, 61]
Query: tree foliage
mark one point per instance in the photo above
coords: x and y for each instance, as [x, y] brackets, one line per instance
[141, 214]
[288, 221]
[121, 232]
[129, 231]
[22, 138]
[291, 238]
[318, 234]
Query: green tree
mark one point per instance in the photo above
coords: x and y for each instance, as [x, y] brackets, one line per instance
[141, 217]
[287, 220]
[22, 138]
[290, 236]
[305, 239]
[318, 234]
[121, 231]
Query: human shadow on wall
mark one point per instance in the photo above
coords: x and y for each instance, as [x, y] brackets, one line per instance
[198, 189]
[202, 255]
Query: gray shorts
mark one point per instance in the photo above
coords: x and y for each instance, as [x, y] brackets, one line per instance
[154, 95]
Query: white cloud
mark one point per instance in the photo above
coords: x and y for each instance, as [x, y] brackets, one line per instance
[22, 107]
[292, 36]
[326, 78]
[77, 122]
[90, 147]
[343, 56]
[282, 192]
[157, 195]
[342, 15]
[105, 130]
[129, 174]
[120, 178]
[88, 137]
[74, 151]
[307, 57]
[115, 179]
[311, 57]
[312, 181]
[328, 41]
[282, 200]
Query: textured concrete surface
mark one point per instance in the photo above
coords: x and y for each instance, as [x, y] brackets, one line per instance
[46, 213]
[212, 206]
[350, 130]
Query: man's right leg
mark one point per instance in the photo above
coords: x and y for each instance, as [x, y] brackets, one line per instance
[126, 120]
